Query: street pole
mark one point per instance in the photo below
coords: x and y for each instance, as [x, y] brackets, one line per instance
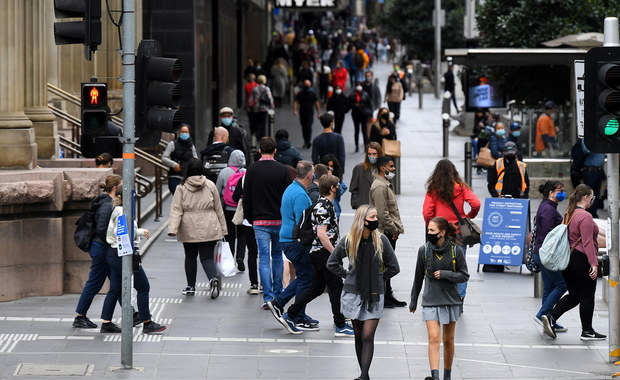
[611, 39]
[128, 139]
[437, 47]
[446, 130]
[468, 163]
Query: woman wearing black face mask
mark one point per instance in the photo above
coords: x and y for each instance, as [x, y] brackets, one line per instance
[383, 128]
[371, 262]
[441, 266]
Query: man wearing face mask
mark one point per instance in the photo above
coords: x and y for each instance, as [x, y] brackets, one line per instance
[383, 198]
[306, 102]
[237, 136]
[361, 110]
[509, 177]
[514, 135]
[177, 154]
[339, 105]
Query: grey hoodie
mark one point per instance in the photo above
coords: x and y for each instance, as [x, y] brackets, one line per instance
[236, 162]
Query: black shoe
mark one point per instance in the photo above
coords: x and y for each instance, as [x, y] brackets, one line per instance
[391, 302]
[189, 291]
[136, 319]
[216, 286]
[275, 309]
[240, 266]
[357, 149]
[592, 335]
[153, 327]
[82, 322]
[110, 328]
[548, 322]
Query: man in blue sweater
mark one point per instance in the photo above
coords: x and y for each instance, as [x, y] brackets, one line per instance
[294, 201]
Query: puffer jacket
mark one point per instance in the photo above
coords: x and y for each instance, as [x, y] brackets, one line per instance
[196, 213]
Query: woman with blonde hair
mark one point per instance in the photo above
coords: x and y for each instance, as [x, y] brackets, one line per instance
[371, 262]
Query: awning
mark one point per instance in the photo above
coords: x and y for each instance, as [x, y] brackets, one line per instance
[514, 57]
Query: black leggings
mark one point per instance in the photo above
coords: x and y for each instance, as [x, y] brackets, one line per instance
[581, 290]
[205, 249]
[365, 344]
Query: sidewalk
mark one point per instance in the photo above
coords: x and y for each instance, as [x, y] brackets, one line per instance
[231, 338]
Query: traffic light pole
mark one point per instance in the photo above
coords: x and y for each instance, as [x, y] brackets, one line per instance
[613, 168]
[128, 140]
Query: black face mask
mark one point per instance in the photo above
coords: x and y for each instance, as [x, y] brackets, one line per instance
[372, 224]
[510, 158]
[385, 116]
[432, 238]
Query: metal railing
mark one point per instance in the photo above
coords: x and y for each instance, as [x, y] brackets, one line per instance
[144, 185]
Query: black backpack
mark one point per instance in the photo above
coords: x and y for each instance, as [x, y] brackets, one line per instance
[263, 99]
[303, 231]
[214, 163]
[84, 230]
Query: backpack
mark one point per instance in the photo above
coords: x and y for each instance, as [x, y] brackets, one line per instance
[303, 231]
[555, 250]
[84, 230]
[229, 188]
[263, 99]
[358, 60]
[214, 163]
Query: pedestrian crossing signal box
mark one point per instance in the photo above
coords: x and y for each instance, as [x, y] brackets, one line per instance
[94, 109]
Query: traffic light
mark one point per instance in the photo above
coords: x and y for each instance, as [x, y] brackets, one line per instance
[86, 32]
[94, 109]
[158, 93]
[602, 100]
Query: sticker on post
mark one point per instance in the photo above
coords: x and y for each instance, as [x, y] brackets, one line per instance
[122, 237]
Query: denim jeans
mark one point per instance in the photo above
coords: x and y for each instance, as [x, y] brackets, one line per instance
[270, 261]
[140, 283]
[98, 272]
[554, 288]
[300, 257]
[463, 285]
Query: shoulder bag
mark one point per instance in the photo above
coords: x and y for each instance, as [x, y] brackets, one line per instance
[485, 158]
[390, 147]
[470, 232]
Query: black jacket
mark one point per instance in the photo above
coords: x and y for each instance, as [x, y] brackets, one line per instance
[375, 131]
[511, 182]
[265, 182]
[339, 104]
[102, 205]
[361, 109]
[236, 138]
[287, 154]
[213, 148]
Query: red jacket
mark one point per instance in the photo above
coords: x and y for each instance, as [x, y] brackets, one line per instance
[339, 77]
[434, 207]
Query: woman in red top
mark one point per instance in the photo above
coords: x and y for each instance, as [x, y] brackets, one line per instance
[339, 76]
[445, 186]
[581, 273]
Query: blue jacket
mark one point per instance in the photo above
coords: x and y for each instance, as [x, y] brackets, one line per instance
[294, 201]
[496, 144]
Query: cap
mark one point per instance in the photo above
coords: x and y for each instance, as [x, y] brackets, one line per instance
[227, 110]
[515, 125]
[510, 148]
[550, 104]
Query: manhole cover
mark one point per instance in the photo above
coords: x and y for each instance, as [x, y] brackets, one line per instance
[50, 369]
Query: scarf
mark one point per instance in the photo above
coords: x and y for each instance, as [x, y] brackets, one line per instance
[367, 279]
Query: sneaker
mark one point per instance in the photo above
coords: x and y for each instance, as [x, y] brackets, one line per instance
[308, 320]
[110, 328]
[307, 326]
[240, 266]
[559, 328]
[289, 325]
[548, 323]
[538, 320]
[136, 319]
[82, 322]
[253, 290]
[276, 310]
[592, 335]
[216, 285]
[189, 291]
[153, 327]
[345, 330]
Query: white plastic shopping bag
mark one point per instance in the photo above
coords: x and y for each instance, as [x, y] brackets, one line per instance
[224, 259]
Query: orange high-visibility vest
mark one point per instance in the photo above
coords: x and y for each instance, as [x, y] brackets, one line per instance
[499, 167]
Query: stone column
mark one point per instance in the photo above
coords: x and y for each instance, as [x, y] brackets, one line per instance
[17, 145]
[35, 89]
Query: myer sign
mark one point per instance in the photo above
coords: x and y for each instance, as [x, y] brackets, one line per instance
[305, 3]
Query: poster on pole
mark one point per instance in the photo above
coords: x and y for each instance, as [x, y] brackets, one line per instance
[504, 229]
[122, 237]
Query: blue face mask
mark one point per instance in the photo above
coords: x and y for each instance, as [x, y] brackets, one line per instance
[227, 121]
[560, 196]
[516, 133]
[184, 136]
[500, 132]
[372, 160]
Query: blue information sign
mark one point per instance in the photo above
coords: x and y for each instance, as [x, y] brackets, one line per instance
[503, 231]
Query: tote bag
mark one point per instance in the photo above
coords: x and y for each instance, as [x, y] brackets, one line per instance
[390, 147]
[224, 259]
[485, 158]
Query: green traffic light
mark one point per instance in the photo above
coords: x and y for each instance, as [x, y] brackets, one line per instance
[611, 127]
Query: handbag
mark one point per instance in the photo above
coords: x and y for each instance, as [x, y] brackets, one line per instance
[530, 263]
[136, 260]
[470, 232]
[237, 219]
[224, 259]
[485, 158]
[390, 147]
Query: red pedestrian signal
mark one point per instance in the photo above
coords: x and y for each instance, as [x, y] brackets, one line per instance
[94, 109]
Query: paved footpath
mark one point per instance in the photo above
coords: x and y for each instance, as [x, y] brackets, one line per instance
[231, 338]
